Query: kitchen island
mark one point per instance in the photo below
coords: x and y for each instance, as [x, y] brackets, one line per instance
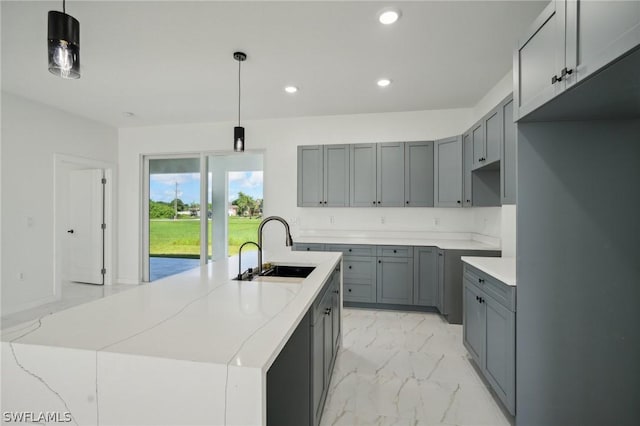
[194, 348]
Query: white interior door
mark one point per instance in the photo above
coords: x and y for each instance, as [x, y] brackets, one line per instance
[85, 233]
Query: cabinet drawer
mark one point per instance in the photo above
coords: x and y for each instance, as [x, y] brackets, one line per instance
[359, 293]
[395, 251]
[353, 250]
[308, 247]
[502, 293]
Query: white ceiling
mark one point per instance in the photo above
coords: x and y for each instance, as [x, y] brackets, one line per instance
[171, 61]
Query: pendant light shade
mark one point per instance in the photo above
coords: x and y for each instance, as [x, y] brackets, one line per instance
[64, 44]
[238, 131]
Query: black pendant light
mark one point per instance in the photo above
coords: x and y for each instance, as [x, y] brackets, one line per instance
[64, 44]
[238, 131]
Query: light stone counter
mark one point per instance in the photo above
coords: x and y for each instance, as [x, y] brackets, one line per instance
[193, 348]
[501, 268]
[455, 242]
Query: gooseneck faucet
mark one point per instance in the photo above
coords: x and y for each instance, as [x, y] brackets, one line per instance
[288, 241]
[240, 257]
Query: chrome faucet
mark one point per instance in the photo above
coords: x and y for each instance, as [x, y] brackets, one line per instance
[288, 241]
[240, 257]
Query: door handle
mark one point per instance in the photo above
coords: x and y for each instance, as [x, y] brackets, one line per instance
[70, 231]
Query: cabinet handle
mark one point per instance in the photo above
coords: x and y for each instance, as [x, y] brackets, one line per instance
[458, 201]
[481, 300]
[349, 250]
[308, 248]
[325, 202]
[480, 280]
[349, 266]
[395, 251]
[349, 290]
[379, 261]
[378, 202]
[555, 79]
[477, 299]
[336, 291]
[468, 201]
[320, 202]
[565, 71]
[374, 203]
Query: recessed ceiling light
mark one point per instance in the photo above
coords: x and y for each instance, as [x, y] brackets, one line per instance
[128, 114]
[384, 82]
[291, 89]
[388, 16]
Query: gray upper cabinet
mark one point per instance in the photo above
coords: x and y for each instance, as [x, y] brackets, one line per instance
[336, 176]
[425, 276]
[539, 58]
[418, 171]
[467, 154]
[599, 32]
[492, 136]
[323, 176]
[508, 163]
[567, 43]
[310, 176]
[395, 280]
[390, 174]
[448, 172]
[477, 138]
[363, 177]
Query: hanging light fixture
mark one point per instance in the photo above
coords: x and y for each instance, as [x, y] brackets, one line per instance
[64, 44]
[238, 131]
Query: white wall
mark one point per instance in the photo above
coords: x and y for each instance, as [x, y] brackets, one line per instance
[278, 139]
[31, 134]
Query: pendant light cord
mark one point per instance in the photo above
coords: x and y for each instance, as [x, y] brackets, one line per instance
[239, 64]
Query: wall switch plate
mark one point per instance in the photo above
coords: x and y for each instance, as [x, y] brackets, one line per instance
[382, 220]
[332, 220]
[436, 221]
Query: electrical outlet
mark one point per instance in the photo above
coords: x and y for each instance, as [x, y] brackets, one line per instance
[436, 221]
[332, 220]
[382, 220]
[29, 221]
[21, 276]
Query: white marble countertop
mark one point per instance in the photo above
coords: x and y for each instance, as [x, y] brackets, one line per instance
[200, 315]
[501, 268]
[443, 243]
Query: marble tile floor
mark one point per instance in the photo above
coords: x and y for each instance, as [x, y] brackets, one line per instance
[406, 368]
[73, 294]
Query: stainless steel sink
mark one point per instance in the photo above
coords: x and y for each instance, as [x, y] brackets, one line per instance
[279, 271]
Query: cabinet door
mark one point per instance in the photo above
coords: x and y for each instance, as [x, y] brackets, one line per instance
[335, 312]
[492, 136]
[336, 175]
[359, 279]
[425, 276]
[310, 170]
[477, 136]
[539, 57]
[448, 172]
[500, 356]
[598, 32]
[467, 155]
[418, 183]
[362, 190]
[318, 375]
[394, 280]
[473, 321]
[390, 182]
[328, 343]
[441, 304]
[508, 163]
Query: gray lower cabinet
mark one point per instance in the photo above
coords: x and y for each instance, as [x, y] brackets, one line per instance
[308, 247]
[489, 334]
[395, 280]
[448, 172]
[325, 337]
[359, 279]
[508, 162]
[425, 276]
[298, 380]
[418, 171]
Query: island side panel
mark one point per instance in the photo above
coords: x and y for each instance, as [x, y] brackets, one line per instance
[49, 380]
[144, 390]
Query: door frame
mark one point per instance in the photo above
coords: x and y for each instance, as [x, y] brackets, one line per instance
[63, 164]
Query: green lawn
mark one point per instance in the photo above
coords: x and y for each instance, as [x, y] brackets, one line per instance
[182, 237]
